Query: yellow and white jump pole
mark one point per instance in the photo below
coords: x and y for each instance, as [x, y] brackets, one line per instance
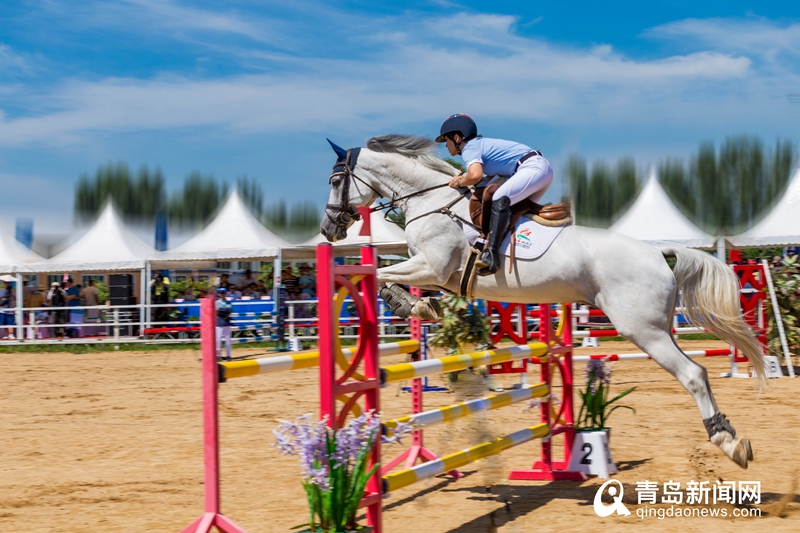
[404, 478]
[454, 363]
[470, 407]
[282, 363]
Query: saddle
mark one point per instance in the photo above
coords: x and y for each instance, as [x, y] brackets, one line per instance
[480, 204]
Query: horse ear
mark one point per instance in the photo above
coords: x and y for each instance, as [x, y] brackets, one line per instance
[341, 152]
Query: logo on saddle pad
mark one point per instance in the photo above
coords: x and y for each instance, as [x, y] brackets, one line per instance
[523, 238]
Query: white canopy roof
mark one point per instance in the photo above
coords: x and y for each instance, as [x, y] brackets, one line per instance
[233, 234]
[13, 252]
[781, 227]
[388, 237]
[108, 245]
[653, 218]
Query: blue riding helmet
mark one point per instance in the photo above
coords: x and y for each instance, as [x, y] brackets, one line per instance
[458, 123]
[222, 290]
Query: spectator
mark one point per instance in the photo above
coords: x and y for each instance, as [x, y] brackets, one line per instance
[235, 280]
[189, 296]
[307, 283]
[289, 283]
[57, 299]
[224, 309]
[159, 291]
[248, 279]
[248, 291]
[223, 282]
[73, 297]
[91, 297]
[7, 303]
[254, 291]
[261, 288]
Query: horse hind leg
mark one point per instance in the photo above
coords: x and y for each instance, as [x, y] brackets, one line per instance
[660, 345]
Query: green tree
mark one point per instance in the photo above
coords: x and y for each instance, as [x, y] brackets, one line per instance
[601, 197]
[276, 217]
[252, 195]
[199, 199]
[578, 185]
[138, 196]
[626, 185]
[727, 191]
[675, 179]
[298, 223]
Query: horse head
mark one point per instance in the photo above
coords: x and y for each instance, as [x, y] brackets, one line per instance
[350, 188]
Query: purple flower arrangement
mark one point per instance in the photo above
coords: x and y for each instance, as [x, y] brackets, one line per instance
[595, 409]
[334, 465]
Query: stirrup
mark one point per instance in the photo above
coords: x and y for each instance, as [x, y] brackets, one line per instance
[488, 269]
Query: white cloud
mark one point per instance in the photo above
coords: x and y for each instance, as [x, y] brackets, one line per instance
[13, 62]
[745, 35]
[173, 15]
[417, 70]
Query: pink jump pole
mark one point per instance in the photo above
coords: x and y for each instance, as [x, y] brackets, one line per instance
[547, 469]
[212, 517]
[343, 384]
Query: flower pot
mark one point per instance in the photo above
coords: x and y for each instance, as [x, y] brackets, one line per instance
[607, 431]
[591, 453]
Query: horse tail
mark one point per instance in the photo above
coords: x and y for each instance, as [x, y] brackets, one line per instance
[711, 299]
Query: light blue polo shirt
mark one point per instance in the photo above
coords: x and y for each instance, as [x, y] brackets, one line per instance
[498, 157]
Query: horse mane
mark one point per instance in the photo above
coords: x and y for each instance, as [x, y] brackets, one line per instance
[422, 149]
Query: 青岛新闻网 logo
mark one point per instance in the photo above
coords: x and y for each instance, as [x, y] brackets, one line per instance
[601, 509]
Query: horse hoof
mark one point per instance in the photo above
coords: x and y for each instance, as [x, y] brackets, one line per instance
[436, 307]
[742, 453]
[738, 450]
[428, 309]
[749, 449]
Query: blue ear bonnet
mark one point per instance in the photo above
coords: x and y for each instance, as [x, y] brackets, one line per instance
[340, 152]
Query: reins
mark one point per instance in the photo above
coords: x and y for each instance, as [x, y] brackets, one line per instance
[347, 212]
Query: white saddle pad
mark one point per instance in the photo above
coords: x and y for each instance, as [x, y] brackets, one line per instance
[533, 239]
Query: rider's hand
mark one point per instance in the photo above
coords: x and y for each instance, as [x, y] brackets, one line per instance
[455, 181]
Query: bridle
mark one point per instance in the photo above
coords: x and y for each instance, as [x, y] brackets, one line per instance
[347, 213]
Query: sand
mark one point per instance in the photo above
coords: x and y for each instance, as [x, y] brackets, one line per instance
[113, 442]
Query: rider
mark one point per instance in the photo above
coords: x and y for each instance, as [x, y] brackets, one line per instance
[528, 172]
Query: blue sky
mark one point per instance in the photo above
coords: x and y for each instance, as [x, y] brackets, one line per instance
[252, 88]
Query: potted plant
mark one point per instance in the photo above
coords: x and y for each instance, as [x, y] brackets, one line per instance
[591, 453]
[463, 328]
[335, 467]
[596, 405]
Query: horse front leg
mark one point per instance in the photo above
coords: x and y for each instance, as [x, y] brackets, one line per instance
[417, 272]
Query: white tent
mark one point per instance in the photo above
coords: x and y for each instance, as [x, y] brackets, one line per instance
[233, 234]
[781, 227]
[388, 237]
[654, 219]
[14, 253]
[108, 245]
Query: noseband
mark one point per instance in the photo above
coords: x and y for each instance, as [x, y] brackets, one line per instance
[346, 212]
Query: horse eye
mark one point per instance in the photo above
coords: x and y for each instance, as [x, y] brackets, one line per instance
[335, 182]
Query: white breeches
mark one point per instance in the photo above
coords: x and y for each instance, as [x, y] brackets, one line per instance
[224, 331]
[531, 180]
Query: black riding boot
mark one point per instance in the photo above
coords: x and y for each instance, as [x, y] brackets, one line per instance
[489, 261]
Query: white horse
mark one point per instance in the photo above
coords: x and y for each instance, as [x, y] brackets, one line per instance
[628, 279]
